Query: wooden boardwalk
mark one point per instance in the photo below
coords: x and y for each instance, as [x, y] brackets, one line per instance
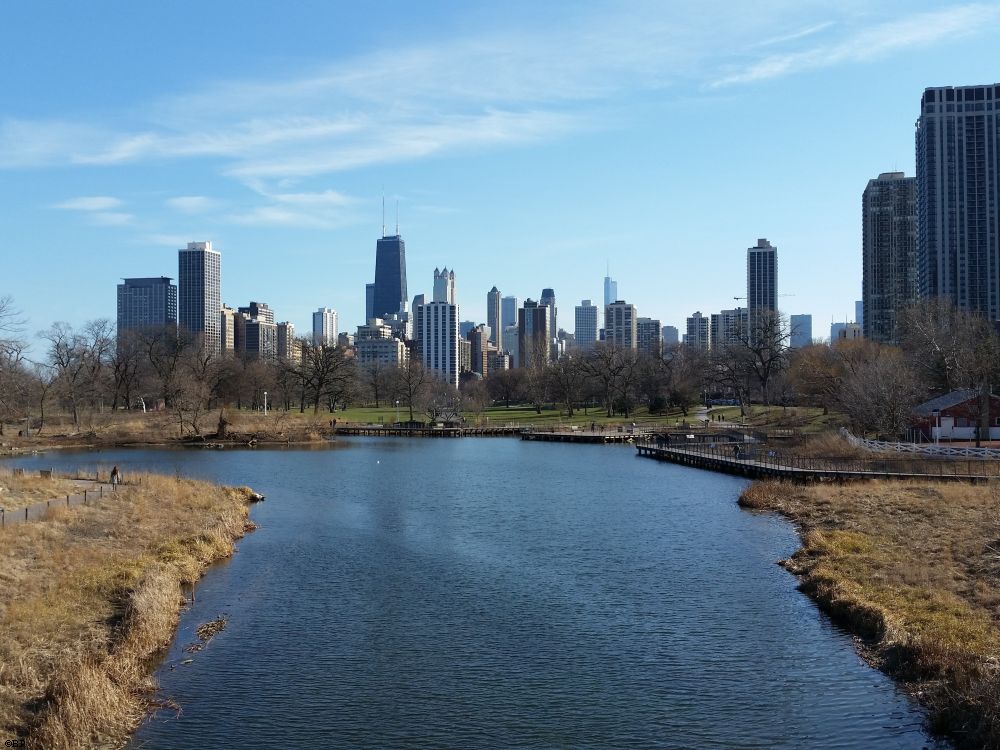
[580, 436]
[757, 463]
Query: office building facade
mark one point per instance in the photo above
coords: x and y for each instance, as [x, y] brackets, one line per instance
[762, 277]
[146, 303]
[671, 336]
[533, 335]
[801, 331]
[389, 290]
[587, 324]
[508, 312]
[493, 315]
[648, 337]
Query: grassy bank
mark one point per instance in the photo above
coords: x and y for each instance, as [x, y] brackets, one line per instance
[914, 570]
[89, 594]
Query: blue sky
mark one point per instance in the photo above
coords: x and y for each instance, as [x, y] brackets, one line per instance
[527, 144]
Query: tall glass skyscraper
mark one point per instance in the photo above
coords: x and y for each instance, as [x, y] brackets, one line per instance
[958, 196]
[146, 302]
[200, 292]
[390, 276]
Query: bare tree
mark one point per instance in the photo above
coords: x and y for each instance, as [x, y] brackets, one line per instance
[603, 364]
[567, 380]
[410, 384]
[506, 385]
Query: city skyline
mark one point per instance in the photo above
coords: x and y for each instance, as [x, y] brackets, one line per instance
[244, 149]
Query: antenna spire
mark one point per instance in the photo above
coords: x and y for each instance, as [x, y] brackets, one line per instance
[397, 217]
[383, 213]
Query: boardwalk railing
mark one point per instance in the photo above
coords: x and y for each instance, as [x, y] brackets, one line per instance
[946, 451]
[759, 461]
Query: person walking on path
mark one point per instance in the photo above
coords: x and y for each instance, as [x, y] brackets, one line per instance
[116, 477]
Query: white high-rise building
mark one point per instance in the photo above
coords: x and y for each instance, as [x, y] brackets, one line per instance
[325, 327]
[586, 325]
[439, 339]
[199, 294]
[699, 332]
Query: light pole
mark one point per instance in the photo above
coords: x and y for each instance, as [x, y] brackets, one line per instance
[265, 403]
[397, 411]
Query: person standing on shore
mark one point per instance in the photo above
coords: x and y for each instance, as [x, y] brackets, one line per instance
[116, 477]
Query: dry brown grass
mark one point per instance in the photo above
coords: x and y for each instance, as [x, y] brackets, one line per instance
[90, 593]
[19, 491]
[915, 569]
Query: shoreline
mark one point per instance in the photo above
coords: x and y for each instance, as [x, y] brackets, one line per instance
[938, 644]
[84, 646]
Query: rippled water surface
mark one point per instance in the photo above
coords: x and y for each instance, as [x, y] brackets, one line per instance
[491, 593]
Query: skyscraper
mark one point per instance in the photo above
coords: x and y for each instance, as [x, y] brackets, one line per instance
[586, 325]
[801, 331]
[493, 317]
[258, 310]
[762, 277]
[533, 335]
[508, 312]
[146, 302]
[958, 197]
[889, 254]
[370, 302]
[548, 298]
[728, 327]
[671, 336]
[390, 276]
[199, 277]
[444, 286]
[324, 329]
[610, 290]
[287, 346]
[621, 325]
[439, 329]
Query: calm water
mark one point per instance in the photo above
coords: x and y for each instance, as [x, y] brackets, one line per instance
[493, 593]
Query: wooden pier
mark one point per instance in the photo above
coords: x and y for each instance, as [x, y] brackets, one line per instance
[580, 436]
[438, 432]
[758, 462]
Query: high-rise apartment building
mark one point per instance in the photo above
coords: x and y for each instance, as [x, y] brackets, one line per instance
[389, 290]
[648, 337]
[227, 330]
[146, 302]
[586, 325]
[260, 339]
[958, 196]
[621, 325]
[671, 336]
[478, 338]
[510, 339]
[728, 327]
[324, 328]
[287, 346]
[699, 332]
[199, 294]
[508, 312]
[439, 340]
[762, 277]
[258, 310]
[889, 254]
[493, 315]
[801, 331]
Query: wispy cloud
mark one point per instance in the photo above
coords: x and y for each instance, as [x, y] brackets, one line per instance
[478, 90]
[90, 203]
[193, 204]
[111, 218]
[872, 42]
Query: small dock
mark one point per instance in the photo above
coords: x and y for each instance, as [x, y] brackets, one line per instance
[758, 463]
[429, 432]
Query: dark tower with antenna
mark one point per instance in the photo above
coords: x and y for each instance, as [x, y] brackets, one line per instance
[390, 271]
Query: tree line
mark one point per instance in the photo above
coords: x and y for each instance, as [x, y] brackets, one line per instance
[96, 369]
